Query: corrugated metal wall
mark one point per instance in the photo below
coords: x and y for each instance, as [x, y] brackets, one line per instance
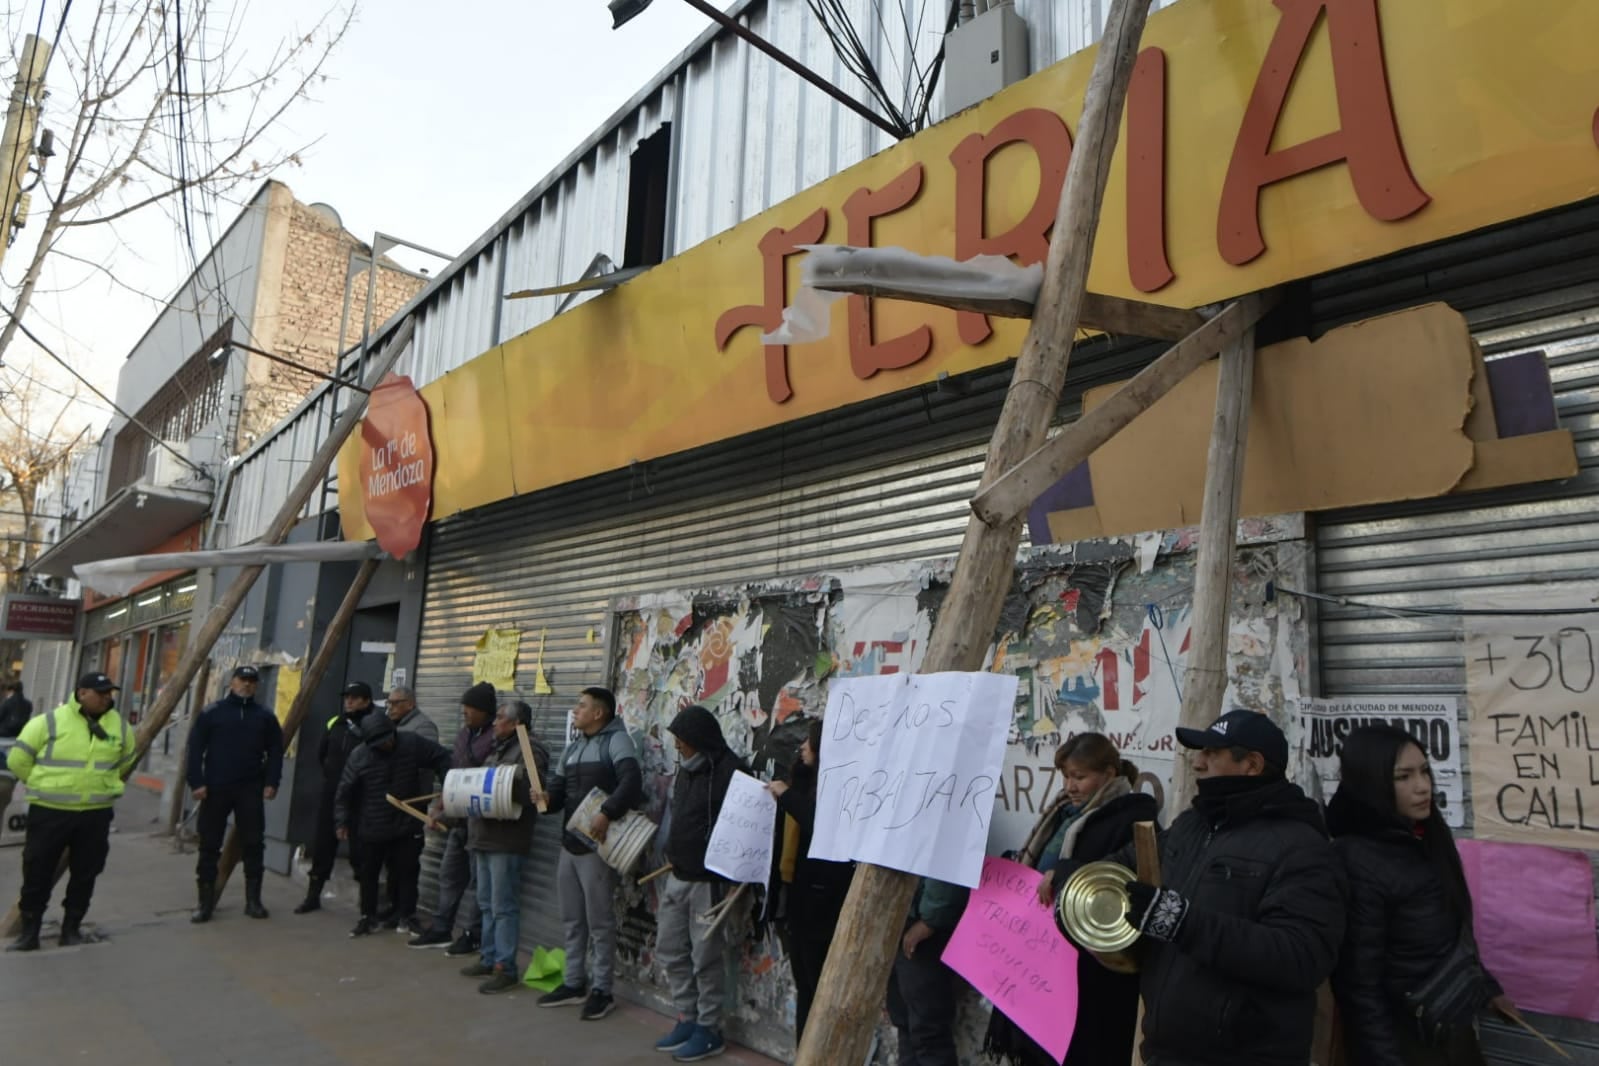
[1523, 287]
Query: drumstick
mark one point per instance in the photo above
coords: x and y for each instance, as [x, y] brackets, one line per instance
[647, 878]
[1525, 1024]
[532, 767]
[412, 811]
[1147, 848]
[419, 799]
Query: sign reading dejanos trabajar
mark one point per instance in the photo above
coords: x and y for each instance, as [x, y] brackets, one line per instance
[909, 765]
[1532, 681]
[397, 465]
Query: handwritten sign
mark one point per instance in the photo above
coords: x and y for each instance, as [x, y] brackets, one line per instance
[1539, 943]
[909, 765]
[741, 841]
[1530, 684]
[1008, 948]
[495, 661]
[1434, 721]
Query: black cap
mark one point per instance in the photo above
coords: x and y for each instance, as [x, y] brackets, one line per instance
[247, 673]
[358, 688]
[1241, 729]
[97, 681]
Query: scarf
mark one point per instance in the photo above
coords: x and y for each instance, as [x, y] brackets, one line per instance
[1116, 787]
[1061, 807]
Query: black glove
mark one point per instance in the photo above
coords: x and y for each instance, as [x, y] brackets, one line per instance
[1157, 913]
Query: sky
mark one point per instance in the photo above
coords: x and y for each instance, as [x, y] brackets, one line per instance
[433, 120]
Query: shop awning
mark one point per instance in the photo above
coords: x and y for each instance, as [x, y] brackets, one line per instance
[118, 577]
[136, 519]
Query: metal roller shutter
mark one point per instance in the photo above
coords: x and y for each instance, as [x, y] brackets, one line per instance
[1523, 287]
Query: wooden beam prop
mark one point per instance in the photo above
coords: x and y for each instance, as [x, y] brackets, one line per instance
[850, 994]
[1205, 680]
[895, 274]
[301, 707]
[1010, 495]
[532, 767]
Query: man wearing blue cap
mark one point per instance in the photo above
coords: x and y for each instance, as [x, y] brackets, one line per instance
[1248, 918]
[235, 765]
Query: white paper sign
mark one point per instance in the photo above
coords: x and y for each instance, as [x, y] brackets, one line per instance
[909, 766]
[741, 841]
[1433, 720]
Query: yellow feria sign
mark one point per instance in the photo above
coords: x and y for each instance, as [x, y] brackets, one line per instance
[1264, 141]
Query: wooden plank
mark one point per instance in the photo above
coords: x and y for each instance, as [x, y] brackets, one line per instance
[1009, 497]
[1205, 680]
[850, 995]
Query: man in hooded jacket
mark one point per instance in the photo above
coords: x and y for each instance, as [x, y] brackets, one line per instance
[341, 738]
[689, 950]
[1250, 914]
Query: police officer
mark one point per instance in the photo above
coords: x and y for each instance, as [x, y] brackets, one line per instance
[235, 764]
[72, 760]
[342, 737]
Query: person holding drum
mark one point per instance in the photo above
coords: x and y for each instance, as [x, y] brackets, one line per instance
[1409, 913]
[1091, 817]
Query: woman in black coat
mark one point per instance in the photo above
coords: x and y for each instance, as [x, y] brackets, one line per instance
[1409, 906]
[816, 894]
[1090, 819]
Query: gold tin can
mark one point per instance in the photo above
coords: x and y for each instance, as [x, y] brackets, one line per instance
[1092, 912]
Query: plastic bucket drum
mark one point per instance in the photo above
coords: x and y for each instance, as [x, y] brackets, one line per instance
[626, 841]
[487, 792]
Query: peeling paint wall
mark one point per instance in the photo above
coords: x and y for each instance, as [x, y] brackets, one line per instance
[1097, 631]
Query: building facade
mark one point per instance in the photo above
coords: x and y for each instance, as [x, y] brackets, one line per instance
[634, 489]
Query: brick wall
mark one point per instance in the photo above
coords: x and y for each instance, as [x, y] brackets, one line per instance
[304, 324]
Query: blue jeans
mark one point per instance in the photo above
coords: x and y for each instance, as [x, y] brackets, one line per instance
[499, 878]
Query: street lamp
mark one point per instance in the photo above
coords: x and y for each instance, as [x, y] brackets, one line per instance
[623, 10]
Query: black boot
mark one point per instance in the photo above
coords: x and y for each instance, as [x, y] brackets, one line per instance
[208, 903]
[313, 897]
[28, 938]
[70, 933]
[252, 898]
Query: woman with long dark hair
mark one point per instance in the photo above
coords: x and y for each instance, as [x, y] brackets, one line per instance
[1089, 819]
[816, 893]
[1409, 984]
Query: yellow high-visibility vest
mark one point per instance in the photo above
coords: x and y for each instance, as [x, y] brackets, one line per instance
[67, 767]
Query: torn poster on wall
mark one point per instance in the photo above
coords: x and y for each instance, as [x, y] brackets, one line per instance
[1433, 720]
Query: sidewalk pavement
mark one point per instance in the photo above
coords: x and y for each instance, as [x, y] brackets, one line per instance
[290, 990]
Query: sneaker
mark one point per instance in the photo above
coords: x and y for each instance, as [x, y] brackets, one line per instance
[365, 927]
[704, 1044]
[391, 922]
[465, 944]
[477, 969]
[678, 1038]
[598, 1005]
[409, 927]
[564, 996]
[432, 938]
[499, 981]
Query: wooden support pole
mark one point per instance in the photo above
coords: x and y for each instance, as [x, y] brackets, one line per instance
[532, 767]
[1205, 680]
[1013, 493]
[309, 681]
[221, 612]
[850, 994]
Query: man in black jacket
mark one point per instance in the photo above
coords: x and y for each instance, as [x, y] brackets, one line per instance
[343, 736]
[1250, 915]
[235, 764]
[689, 950]
[388, 763]
[602, 757]
[14, 714]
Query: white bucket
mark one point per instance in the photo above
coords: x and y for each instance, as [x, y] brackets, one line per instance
[487, 792]
[625, 840]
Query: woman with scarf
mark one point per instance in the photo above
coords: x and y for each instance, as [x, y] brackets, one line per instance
[1091, 818]
[1409, 917]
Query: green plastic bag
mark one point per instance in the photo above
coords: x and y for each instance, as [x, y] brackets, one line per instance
[546, 970]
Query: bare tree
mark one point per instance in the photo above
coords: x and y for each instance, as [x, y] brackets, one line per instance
[168, 110]
[35, 440]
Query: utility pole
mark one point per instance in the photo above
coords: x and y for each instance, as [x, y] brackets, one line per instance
[16, 147]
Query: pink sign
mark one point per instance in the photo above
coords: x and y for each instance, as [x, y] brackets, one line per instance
[1534, 922]
[1007, 947]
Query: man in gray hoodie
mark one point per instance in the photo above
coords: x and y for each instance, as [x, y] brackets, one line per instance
[602, 756]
